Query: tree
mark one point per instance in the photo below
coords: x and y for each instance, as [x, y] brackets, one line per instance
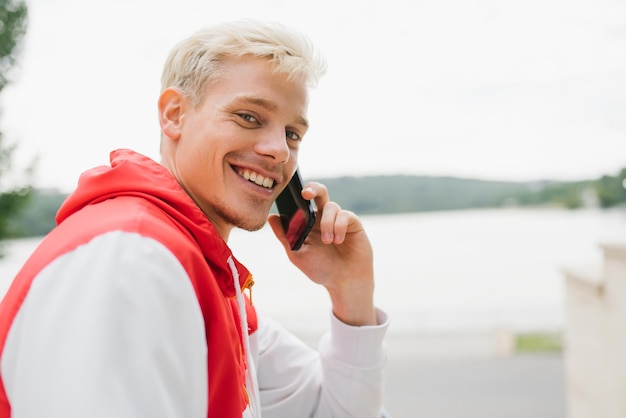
[610, 190]
[13, 195]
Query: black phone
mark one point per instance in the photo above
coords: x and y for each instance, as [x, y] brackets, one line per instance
[297, 214]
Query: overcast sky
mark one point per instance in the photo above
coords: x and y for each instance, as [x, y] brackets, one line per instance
[507, 90]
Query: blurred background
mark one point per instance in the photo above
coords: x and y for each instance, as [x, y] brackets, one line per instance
[482, 143]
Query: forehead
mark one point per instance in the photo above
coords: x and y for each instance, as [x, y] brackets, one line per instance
[255, 81]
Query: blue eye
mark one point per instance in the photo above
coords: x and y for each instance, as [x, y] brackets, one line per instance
[248, 118]
[292, 135]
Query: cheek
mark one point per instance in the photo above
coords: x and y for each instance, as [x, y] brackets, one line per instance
[293, 164]
[293, 157]
[196, 144]
[195, 162]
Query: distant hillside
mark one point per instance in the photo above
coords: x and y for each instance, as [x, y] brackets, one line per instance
[395, 194]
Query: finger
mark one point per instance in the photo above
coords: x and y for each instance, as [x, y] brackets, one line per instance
[327, 222]
[342, 222]
[316, 191]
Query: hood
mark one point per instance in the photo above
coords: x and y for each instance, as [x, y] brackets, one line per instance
[133, 174]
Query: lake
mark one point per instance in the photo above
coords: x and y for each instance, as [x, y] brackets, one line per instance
[453, 271]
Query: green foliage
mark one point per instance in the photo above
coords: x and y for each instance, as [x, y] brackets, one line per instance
[38, 217]
[10, 203]
[563, 194]
[12, 29]
[13, 23]
[610, 190]
[394, 194]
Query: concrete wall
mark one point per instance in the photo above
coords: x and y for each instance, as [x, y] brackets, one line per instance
[595, 338]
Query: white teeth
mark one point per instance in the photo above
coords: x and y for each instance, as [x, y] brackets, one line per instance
[257, 178]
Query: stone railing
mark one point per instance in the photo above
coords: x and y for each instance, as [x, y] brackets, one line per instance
[595, 337]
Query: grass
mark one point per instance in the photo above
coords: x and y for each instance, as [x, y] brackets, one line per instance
[538, 342]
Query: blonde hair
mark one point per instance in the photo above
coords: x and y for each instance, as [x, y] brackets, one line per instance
[195, 63]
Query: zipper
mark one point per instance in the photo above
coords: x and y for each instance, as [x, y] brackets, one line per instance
[248, 285]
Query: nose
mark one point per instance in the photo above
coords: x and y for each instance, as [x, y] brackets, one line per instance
[273, 143]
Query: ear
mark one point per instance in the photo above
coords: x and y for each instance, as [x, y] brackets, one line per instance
[171, 106]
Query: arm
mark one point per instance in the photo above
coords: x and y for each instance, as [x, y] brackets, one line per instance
[353, 361]
[343, 380]
[112, 328]
[337, 255]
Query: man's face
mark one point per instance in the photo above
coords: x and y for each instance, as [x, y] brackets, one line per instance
[239, 148]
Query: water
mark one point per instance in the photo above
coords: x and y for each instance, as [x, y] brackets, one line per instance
[478, 270]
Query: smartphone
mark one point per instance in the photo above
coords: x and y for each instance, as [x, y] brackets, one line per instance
[297, 214]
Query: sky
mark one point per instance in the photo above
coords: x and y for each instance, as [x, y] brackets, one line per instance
[497, 90]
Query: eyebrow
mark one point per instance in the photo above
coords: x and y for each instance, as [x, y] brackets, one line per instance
[268, 105]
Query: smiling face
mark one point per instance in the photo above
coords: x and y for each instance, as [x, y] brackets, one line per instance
[234, 152]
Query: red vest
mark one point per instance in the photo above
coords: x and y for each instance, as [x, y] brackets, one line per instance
[169, 216]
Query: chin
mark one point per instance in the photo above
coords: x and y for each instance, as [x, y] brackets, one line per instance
[249, 217]
[250, 225]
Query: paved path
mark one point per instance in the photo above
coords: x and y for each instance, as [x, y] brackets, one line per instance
[468, 384]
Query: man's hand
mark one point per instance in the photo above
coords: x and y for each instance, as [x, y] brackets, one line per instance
[338, 255]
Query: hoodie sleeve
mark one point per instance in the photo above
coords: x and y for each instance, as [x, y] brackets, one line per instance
[343, 379]
[110, 329]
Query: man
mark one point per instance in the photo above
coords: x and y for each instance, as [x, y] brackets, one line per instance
[133, 305]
